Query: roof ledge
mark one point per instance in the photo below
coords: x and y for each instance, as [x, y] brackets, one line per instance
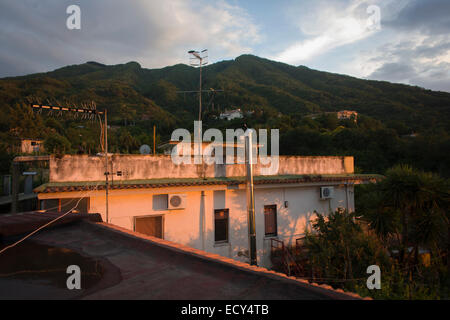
[326, 290]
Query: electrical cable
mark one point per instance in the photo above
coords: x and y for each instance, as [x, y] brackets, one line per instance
[45, 225]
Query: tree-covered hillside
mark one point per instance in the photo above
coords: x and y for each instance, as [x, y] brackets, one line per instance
[276, 95]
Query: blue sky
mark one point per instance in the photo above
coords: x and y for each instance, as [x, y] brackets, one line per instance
[409, 43]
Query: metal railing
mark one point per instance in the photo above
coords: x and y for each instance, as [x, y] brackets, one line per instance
[287, 260]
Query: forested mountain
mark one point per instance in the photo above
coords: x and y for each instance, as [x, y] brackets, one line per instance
[276, 95]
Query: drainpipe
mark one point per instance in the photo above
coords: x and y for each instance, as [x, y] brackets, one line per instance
[202, 217]
[250, 198]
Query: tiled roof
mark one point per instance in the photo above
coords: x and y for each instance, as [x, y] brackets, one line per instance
[162, 183]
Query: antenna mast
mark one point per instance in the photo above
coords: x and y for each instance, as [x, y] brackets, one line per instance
[199, 59]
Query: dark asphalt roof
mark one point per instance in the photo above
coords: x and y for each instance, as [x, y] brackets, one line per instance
[143, 267]
[24, 222]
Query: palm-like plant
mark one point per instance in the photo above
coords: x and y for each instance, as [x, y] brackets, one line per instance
[412, 203]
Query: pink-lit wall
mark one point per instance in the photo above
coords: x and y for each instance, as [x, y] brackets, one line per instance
[139, 167]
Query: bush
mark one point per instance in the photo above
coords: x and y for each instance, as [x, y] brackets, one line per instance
[339, 251]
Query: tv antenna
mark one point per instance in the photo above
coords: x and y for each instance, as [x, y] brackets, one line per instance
[212, 92]
[199, 59]
[88, 111]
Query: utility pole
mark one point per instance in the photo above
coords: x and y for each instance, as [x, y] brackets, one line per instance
[211, 90]
[200, 94]
[250, 197]
[202, 60]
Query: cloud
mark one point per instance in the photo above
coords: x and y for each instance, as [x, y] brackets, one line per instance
[422, 61]
[328, 26]
[429, 17]
[418, 50]
[156, 33]
[412, 47]
[395, 71]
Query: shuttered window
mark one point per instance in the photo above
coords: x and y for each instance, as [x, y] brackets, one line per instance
[221, 225]
[270, 220]
[152, 226]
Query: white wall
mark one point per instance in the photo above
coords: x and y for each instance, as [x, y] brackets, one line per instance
[185, 226]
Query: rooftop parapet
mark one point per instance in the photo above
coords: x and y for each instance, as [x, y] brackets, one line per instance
[75, 168]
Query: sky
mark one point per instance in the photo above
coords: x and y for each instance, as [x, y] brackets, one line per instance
[404, 41]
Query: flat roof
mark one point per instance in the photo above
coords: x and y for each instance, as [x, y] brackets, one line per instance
[24, 222]
[143, 267]
[68, 186]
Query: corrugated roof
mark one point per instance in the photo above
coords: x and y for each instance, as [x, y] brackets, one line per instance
[174, 182]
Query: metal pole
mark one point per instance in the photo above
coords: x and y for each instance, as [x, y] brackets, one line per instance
[200, 93]
[106, 161]
[250, 198]
[199, 144]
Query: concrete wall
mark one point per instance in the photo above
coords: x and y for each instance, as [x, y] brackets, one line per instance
[138, 167]
[185, 226]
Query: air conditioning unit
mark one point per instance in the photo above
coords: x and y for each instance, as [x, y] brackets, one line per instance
[326, 192]
[176, 201]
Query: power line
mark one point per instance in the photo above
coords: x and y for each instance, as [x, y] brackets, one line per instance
[47, 224]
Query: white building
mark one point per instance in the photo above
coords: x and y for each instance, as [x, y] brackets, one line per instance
[204, 206]
[231, 114]
[347, 115]
[31, 146]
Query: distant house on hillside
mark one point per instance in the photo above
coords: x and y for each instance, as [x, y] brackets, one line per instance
[31, 146]
[231, 114]
[341, 115]
[410, 135]
[347, 115]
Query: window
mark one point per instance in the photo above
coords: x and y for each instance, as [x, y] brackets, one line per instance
[64, 205]
[151, 225]
[160, 202]
[67, 204]
[270, 220]
[221, 225]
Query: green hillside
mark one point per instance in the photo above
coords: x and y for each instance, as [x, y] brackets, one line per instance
[279, 95]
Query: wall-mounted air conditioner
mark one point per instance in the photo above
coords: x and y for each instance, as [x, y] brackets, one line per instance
[326, 192]
[176, 201]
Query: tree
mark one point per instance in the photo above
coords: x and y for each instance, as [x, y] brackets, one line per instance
[412, 204]
[126, 141]
[57, 144]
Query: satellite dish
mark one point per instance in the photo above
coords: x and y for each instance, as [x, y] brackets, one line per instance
[144, 149]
